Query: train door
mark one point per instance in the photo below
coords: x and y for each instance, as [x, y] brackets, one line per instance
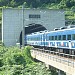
[43, 39]
[69, 44]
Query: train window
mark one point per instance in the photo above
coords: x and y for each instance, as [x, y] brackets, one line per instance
[49, 37]
[55, 37]
[59, 37]
[63, 37]
[52, 37]
[28, 39]
[31, 39]
[34, 38]
[68, 37]
[38, 38]
[73, 36]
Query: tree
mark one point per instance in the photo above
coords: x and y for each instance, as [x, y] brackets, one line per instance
[70, 3]
[12, 3]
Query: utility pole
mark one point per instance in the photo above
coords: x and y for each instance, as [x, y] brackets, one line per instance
[23, 29]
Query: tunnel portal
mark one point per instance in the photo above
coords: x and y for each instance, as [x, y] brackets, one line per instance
[31, 28]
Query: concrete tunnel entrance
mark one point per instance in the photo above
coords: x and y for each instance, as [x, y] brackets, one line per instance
[31, 28]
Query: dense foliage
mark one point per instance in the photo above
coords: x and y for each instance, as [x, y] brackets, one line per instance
[38, 3]
[15, 61]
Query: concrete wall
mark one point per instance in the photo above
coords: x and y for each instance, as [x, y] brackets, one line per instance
[12, 22]
[11, 26]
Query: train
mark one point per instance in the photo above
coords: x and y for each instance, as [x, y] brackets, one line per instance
[62, 38]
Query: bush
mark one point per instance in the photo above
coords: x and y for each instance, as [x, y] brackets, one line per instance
[27, 55]
[13, 56]
[19, 59]
[1, 62]
[16, 70]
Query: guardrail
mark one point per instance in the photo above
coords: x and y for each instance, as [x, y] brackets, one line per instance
[56, 56]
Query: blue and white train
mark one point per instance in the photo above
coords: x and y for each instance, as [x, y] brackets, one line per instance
[63, 38]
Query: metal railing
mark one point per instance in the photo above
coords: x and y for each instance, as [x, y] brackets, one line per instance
[56, 56]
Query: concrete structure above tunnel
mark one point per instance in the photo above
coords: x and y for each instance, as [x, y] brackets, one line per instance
[14, 19]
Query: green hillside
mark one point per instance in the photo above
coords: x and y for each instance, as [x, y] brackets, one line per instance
[61, 4]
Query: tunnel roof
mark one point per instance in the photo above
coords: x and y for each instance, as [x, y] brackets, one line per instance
[34, 28]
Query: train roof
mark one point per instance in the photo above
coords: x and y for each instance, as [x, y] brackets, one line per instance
[40, 32]
[71, 26]
[61, 30]
[65, 27]
[35, 33]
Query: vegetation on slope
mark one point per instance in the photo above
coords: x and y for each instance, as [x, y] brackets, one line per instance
[15, 61]
[38, 3]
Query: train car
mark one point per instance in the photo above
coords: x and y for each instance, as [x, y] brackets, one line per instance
[36, 39]
[61, 39]
[64, 38]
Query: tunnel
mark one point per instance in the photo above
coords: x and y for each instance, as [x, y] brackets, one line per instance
[31, 28]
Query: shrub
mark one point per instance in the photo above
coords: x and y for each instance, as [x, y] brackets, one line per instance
[27, 55]
[1, 62]
[19, 59]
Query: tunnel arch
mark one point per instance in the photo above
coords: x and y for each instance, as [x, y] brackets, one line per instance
[31, 28]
